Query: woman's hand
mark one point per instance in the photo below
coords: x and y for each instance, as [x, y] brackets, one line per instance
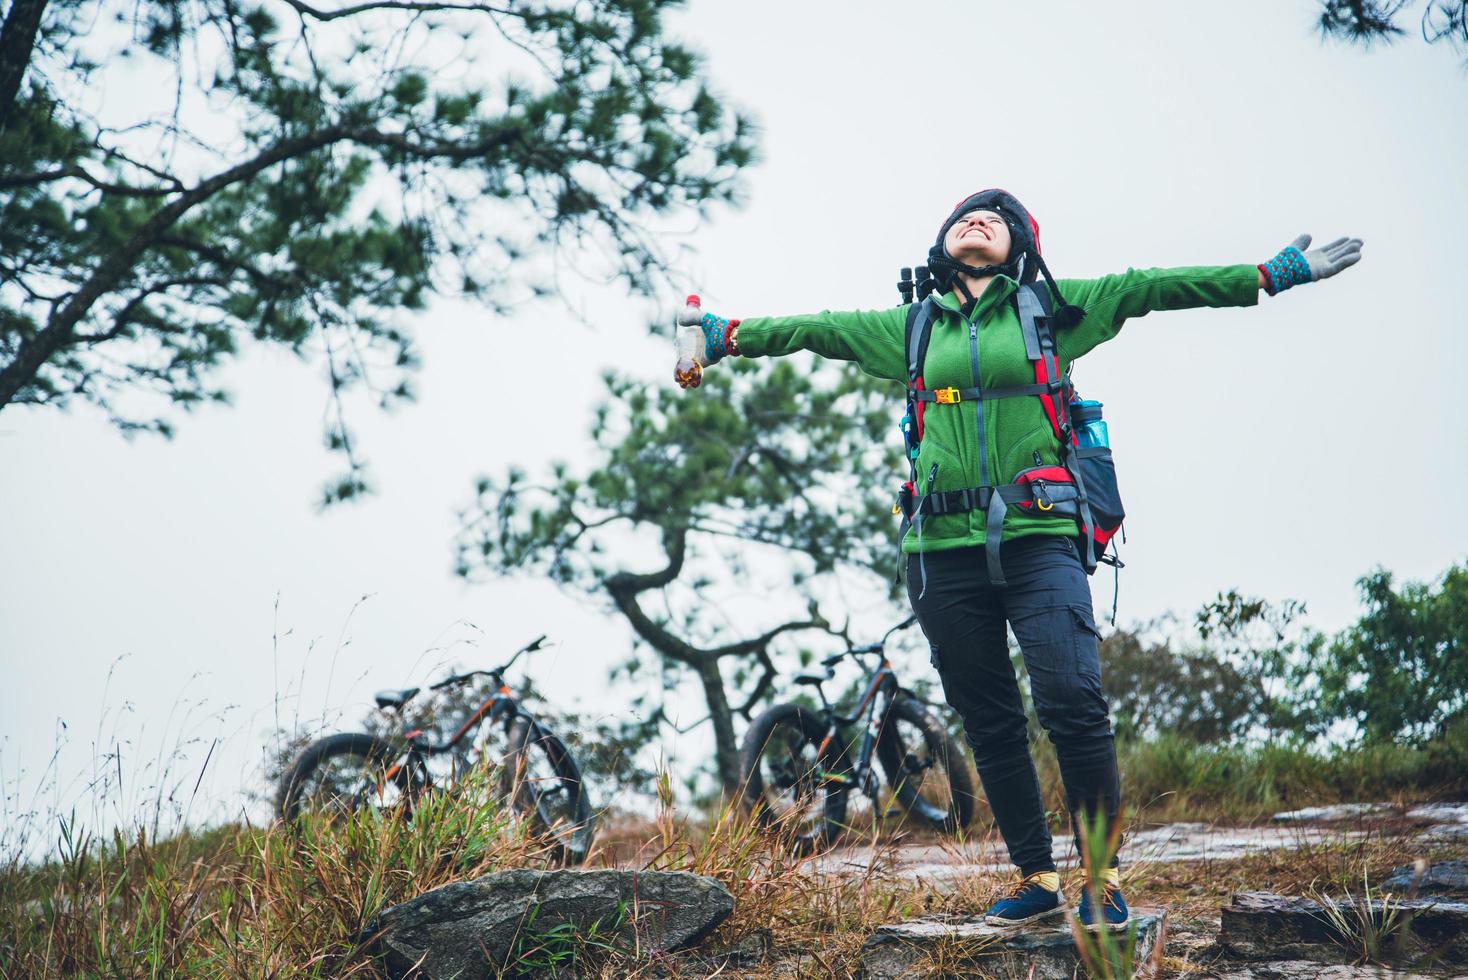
[703, 339]
[1294, 265]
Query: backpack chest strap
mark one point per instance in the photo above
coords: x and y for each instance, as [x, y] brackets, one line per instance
[952, 396]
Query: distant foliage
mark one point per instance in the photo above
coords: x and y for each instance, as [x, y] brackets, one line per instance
[1271, 649]
[1398, 675]
[1401, 672]
[1155, 687]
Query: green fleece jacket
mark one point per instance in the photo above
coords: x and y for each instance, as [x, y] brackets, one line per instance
[1015, 429]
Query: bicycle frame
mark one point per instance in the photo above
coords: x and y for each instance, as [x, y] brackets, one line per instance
[874, 702]
[500, 705]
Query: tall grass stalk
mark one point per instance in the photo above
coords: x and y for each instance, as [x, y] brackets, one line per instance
[1107, 955]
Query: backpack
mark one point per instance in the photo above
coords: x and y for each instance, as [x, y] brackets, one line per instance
[1082, 486]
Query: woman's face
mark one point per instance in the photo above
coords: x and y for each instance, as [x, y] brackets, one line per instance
[979, 238]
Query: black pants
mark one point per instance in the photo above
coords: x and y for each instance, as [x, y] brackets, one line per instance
[1047, 602]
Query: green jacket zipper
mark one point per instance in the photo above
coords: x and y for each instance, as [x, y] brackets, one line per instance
[973, 353]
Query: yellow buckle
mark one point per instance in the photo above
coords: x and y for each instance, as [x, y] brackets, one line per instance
[1045, 504]
[948, 396]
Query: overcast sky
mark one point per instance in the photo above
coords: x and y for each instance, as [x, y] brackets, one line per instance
[1284, 449]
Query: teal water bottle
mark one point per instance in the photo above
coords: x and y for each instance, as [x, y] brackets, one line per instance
[1090, 427]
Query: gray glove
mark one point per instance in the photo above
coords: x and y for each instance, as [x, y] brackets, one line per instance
[1293, 265]
[1327, 260]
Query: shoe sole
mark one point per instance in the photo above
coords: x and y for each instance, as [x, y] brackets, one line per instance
[996, 921]
[1108, 926]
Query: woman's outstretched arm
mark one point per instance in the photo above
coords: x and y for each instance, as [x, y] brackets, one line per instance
[1112, 300]
[871, 338]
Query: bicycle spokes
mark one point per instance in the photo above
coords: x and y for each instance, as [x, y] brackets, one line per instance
[542, 793]
[921, 776]
[795, 780]
[349, 784]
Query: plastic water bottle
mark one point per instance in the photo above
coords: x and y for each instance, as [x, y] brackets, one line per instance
[689, 342]
[1085, 417]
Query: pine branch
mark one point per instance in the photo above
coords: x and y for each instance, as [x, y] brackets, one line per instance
[115, 266]
[416, 6]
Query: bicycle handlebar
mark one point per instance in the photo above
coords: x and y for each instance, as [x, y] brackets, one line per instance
[876, 647]
[533, 645]
[530, 647]
[456, 679]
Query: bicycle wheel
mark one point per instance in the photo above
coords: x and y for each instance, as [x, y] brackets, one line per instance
[544, 785]
[786, 782]
[341, 774]
[925, 767]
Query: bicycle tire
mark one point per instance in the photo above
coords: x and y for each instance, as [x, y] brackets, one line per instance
[810, 728]
[938, 748]
[534, 750]
[374, 751]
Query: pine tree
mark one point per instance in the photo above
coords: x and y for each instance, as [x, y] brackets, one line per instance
[769, 479]
[308, 174]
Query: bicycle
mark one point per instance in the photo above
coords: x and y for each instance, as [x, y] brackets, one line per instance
[797, 768]
[538, 777]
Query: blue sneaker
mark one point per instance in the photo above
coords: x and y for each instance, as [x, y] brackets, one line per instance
[1114, 914]
[1025, 902]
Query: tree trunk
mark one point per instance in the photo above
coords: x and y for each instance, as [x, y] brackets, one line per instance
[625, 587]
[17, 41]
[726, 749]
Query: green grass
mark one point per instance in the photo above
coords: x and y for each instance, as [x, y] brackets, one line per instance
[1171, 778]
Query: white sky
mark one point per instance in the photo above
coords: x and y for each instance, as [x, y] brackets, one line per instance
[1284, 449]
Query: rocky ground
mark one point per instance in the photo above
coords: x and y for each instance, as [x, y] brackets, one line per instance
[1420, 915]
[1329, 892]
[941, 862]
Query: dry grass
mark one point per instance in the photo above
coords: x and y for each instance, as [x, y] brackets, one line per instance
[240, 900]
[266, 901]
[292, 902]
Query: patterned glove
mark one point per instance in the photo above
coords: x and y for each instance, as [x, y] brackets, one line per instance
[719, 341]
[718, 337]
[1293, 265]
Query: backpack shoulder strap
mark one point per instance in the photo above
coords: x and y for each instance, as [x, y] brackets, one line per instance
[1033, 301]
[918, 333]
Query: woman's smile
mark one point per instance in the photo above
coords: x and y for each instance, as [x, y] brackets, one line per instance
[979, 238]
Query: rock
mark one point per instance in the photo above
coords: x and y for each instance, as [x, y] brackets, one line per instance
[1441, 813]
[972, 948]
[478, 928]
[1446, 832]
[1293, 970]
[1262, 926]
[1329, 814]
[1440, 878]
[942, 865]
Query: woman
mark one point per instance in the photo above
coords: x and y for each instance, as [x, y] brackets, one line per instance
[985, 249]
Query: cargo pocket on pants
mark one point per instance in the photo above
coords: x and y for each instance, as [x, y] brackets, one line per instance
[1087, 642]
[1085, 620]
